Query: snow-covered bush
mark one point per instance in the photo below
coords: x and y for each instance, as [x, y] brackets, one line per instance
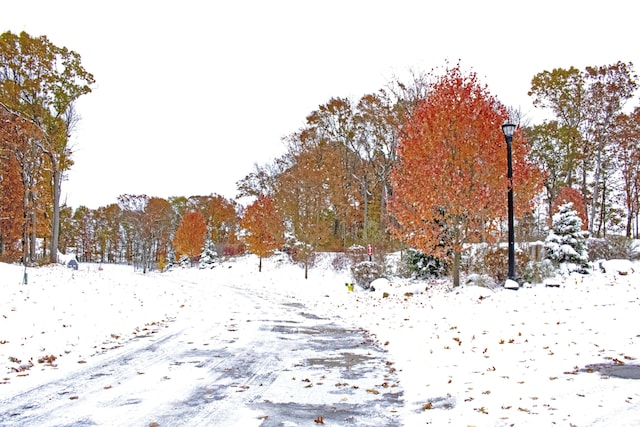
[495, 263]
[424, 266]
[209, 256]
[537, 271]
[566, 243]
[483, 280]
[490, 260]
[356, 254]
[168, 263]
[185, 261]
[339, 262]
[611, 247]
[634, 249]
[365, 272]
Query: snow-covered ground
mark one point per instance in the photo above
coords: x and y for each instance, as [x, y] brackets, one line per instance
[469, 356]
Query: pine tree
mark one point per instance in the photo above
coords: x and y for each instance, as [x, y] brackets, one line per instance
[566, 242]
[209, 255]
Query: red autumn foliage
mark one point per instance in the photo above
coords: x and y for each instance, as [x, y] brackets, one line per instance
[450, 183]
[566, 195]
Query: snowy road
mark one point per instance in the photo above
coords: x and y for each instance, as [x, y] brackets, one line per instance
[258, 359]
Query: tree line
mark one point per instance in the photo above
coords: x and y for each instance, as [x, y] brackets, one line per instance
[420, 163]
[151, 232]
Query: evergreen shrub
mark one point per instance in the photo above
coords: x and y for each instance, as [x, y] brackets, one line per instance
[566, 243]
[424, 266]
[365, 272]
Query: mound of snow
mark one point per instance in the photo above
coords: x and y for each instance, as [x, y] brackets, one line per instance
[619, 266]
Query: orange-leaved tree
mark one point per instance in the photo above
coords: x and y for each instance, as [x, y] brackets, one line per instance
[15, 165]
[569, 194]
[450, 183]
[190, 235]
[222, 221]
[264, 228]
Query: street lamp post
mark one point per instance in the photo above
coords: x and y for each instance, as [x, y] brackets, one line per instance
[508, 129]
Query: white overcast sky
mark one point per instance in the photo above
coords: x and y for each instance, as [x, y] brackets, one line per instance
[190, 94]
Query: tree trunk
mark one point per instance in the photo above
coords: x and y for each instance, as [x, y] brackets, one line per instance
[25, 240]
[603, 215]
[25, 227]
[383, 210]
[366, 210]
[55, 224]
[596, 194]
[33, 240]
[456, 269]
[585, 190]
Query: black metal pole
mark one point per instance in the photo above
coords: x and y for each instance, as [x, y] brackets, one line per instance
[512, 261]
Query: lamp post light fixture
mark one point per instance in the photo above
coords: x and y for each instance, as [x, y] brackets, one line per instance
[508, 129]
